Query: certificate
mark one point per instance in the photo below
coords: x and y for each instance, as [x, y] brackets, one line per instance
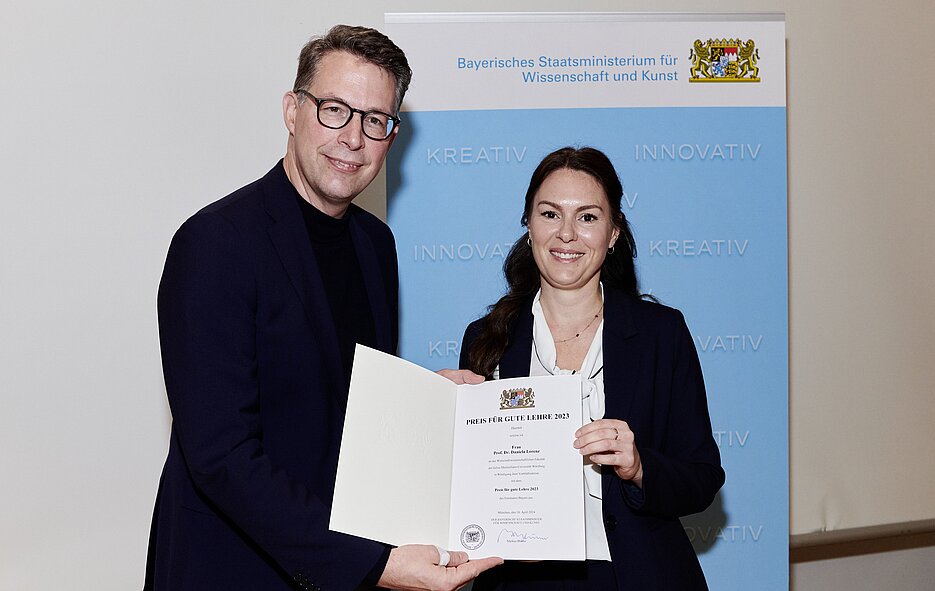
[487, 469]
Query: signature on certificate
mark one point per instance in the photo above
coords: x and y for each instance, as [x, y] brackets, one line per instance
[518, 536]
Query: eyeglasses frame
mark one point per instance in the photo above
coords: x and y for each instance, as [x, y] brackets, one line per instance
[318, 101]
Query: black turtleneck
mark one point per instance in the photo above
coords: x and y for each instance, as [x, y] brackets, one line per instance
[347, 296]
[343, 281]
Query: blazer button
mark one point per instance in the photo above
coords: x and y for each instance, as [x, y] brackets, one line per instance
[610, 522]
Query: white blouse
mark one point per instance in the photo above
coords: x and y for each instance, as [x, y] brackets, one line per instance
[542, 363]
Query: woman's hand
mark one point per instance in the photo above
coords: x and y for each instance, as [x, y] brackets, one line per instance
[611, 442]
[461, 376]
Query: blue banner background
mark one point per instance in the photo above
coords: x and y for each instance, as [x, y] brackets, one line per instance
[709, 219]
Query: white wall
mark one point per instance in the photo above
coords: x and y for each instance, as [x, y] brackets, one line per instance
[118, 120]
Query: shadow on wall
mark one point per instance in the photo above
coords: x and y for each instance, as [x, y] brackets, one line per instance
[402, 145]
[704, 528]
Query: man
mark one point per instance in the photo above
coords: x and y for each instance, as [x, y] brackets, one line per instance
[263, 296]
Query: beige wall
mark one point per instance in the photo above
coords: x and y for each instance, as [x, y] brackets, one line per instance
[120, 119]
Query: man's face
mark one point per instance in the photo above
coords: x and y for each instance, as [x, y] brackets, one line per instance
[330, 167]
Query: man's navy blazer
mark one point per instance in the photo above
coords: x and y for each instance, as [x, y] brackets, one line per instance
[258, 394]
[653, 381]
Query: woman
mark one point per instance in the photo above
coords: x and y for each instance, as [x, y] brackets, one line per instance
[573, 306]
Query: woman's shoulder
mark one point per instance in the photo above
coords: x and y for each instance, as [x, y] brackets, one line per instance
[644, 312]
[473, 328]
[471, 333]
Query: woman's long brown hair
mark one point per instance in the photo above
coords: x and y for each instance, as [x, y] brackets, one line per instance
[520, 269]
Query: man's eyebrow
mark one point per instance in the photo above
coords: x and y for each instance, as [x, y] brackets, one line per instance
[329, 97]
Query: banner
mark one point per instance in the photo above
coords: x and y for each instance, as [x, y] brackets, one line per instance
[691, 110]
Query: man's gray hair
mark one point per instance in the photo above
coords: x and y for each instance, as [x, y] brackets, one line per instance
[368, 44]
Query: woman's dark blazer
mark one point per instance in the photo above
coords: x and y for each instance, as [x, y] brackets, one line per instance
[653, 381]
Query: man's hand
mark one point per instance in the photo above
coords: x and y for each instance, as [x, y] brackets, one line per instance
[415, 568]
[461, 376]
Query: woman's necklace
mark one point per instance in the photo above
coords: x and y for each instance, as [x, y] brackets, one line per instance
[578, 334]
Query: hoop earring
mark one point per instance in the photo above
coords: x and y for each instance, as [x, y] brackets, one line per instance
[529, 240]
[610, 250]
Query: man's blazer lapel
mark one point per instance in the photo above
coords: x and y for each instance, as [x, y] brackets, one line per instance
[373, 281]
[289, 235]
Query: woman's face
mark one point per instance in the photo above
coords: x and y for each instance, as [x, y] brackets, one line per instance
[571, 228]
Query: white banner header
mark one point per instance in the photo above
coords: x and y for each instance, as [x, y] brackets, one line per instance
[688, 61]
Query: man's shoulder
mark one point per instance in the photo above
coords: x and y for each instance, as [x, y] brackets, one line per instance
[246, 199]
[230, 219]
[370, 223]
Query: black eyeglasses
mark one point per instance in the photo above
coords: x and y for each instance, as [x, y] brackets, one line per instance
[335, 114]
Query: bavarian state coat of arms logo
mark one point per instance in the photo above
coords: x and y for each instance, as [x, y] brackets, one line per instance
[724, 60]
[517, 398]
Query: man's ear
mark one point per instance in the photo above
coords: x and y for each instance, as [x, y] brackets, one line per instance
[392, 138]
[290, 105]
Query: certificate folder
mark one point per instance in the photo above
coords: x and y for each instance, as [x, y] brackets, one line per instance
[487, 469]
